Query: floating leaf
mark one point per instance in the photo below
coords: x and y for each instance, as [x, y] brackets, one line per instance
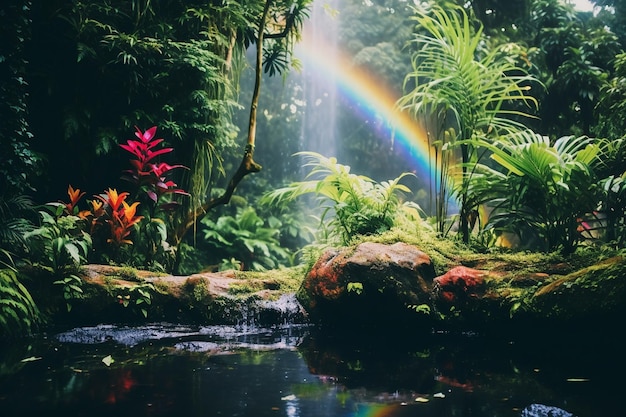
[108, 360]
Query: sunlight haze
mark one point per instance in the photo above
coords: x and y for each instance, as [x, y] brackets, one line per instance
[583, 5]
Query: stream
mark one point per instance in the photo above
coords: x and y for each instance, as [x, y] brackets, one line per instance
[165, 369]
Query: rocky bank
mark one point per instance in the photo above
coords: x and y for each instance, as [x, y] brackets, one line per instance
[371, 286]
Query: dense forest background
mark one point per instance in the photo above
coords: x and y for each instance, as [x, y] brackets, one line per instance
[77, 77]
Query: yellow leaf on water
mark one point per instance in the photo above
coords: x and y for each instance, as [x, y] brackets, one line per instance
[108, 360]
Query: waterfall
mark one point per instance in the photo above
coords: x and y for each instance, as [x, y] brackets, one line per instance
[319, 125]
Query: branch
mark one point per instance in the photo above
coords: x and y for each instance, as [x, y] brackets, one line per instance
[247, 164]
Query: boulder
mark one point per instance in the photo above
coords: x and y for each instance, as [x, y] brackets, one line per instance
[372, 285]
[540, 410]
[459, 285]
[124, 295]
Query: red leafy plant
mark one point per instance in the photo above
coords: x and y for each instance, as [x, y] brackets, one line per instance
[112, 216]
[150, 176]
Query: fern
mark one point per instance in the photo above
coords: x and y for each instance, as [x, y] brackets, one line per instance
[14, 223]
[18, 311]
[350, 204]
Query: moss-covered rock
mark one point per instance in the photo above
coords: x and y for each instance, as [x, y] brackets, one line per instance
[419, 282]
[595, 291]
[116, 294]
[487, 292]
[371, 284]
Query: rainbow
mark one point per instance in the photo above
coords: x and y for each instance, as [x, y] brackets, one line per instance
[376, 410]
[372, 100]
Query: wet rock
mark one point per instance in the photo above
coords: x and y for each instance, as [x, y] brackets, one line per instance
[372, 285]
[540, 410]
[286, 309]
[226, 297]
[459, 284]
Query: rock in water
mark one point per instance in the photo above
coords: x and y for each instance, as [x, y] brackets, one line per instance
[372, 285]
[540, 410]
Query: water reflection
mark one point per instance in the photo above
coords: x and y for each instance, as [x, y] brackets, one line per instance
[163, 370]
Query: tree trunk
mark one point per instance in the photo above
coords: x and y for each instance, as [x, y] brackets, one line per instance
[247, 165]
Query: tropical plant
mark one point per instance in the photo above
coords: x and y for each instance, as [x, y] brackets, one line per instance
[246, 238]
[350, 204]
[611, 213]
[19, 164]
[137, 297]
[15, 214]
[111, 219]
[18, 311]
[572, 56]
[157, 239]
[148, 175]
[611, 210]
[120, 217]
[540, 190]
[612, 102]
[59, 246]
[473, 92]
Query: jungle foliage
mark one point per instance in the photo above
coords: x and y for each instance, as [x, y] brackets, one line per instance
[511, 179]
[471, 91]
[350, 205]
[525, 117]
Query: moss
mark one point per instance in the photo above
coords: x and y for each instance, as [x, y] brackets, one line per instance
[108, 282]
[598, 289]
[196, 290]
[161, 287]
[200, 291]
[245, 287]
[280, 281]
[444, 253]
[128, 273]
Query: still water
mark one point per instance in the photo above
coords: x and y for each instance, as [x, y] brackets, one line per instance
[175, 370]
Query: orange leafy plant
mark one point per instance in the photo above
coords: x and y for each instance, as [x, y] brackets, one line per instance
[122, 216]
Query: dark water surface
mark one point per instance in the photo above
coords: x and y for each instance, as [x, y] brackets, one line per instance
[170, 370]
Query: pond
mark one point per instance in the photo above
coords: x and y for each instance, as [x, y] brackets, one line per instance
[180, 370]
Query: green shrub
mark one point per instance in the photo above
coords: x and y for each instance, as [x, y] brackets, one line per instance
[350, 204]
[246, 238]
